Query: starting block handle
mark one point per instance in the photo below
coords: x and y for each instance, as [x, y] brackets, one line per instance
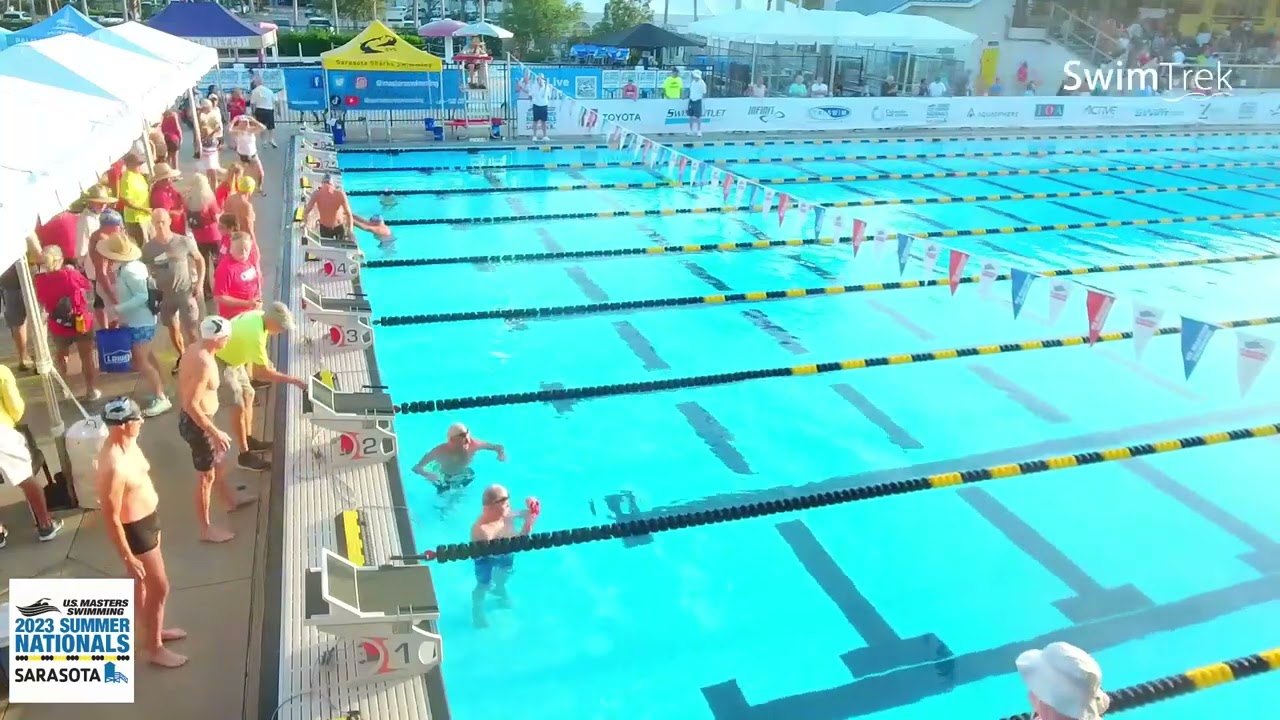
[375, 387]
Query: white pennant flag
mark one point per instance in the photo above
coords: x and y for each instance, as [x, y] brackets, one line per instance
[803, 210]
[930, 259]
[987, 279]
[740, 192]
[1059, 293]
[767, 203]
[1146, 319]
[1252, 354]
[882, 242]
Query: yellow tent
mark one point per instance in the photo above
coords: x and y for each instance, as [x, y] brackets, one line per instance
[377, 47]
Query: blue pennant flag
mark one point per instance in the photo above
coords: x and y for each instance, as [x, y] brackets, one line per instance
[1021, 288]
[819, 214]
[1196, 335]
[904, 252]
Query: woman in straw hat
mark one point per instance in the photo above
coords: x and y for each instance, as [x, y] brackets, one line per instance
[135, 308]
[63, 292]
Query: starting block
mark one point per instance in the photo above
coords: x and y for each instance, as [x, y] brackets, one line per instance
[355, 449]
[334, 311]
[336, 261]
[354, 333]
[320, 162]
[342, 412]
[316, 138]
[312, 177]
[311, 239]
[388, 612]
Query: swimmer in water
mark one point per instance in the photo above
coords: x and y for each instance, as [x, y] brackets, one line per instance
[388, 201]
[452, 459]
[497, 521]
[376, 226]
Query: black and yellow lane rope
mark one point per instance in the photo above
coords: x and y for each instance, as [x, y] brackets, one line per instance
[792, 242]
[677, 521]
[786, 159]
[870, 202]
[1184, 683]
[737, 376]
[813, 179]
[555, 311]
[814, 141]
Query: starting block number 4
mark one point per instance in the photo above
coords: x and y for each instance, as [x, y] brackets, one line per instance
[340, 268]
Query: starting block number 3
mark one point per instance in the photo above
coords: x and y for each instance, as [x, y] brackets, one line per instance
[342, 337]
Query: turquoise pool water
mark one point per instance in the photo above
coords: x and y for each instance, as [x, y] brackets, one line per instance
[899, 608]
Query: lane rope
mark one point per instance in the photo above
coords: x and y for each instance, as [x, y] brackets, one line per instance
[819, 158]
[554, 311]
[806, 141]
[647, 526]
[794, 242]
[737, 376]
[1185, 683]
[870, 202]
[817, 179]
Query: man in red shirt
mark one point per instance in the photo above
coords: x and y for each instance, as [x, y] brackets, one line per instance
[60, 231]
[165, 195]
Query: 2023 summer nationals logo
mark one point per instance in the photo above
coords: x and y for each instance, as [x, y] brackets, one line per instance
[71, 641]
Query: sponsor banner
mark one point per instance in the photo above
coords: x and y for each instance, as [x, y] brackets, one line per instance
[231, 78]
[383, 90]
[304, 89]
[799, 114]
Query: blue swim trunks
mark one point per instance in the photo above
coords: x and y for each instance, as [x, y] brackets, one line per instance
[486, 565]
[142, 335]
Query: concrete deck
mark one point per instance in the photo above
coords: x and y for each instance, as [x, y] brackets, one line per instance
[217, 590]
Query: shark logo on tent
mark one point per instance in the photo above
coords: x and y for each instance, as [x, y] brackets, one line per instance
[380, 44]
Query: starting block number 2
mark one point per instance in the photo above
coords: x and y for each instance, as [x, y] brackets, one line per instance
[357, 446]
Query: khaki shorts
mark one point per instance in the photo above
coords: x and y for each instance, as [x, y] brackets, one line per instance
[237, 384]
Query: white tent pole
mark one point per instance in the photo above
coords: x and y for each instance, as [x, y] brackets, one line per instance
[40, 345]
[195, 118]
[146, 149]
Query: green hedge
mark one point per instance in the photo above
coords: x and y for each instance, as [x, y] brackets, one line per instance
[309, 43]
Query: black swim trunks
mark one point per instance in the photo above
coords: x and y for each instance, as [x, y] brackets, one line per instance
[143, 535]
[203, 456]
[333, 233]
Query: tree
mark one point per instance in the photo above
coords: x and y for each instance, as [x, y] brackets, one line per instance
[537, 24]
[623, 14]
[359, 12]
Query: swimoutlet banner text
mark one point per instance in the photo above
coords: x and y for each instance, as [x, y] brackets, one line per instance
[71, 641]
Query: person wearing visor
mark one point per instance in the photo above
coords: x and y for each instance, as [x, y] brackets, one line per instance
[130, 516]
[198, 383]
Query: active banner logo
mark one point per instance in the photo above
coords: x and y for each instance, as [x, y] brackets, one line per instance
[71, 641]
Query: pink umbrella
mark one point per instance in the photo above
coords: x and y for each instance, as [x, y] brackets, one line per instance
[265, 26]
[440, 28]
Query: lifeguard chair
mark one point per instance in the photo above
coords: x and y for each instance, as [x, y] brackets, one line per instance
[479, 106]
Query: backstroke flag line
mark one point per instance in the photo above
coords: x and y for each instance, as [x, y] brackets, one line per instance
[956, 269]
[1059, 293]
[904, 252]
[1098, 305]
[1252, 354]
[930, 259]
[1145, 321]
[1196, 335]
[987, 279]
[1021, 281]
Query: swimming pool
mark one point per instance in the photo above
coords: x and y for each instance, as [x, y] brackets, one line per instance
[902, 607]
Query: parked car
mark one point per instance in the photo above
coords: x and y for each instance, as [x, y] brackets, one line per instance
[320, 23]
[16, 16]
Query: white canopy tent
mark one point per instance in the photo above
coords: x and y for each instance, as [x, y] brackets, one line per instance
[920, 34]
[190, 59]
[799, 27]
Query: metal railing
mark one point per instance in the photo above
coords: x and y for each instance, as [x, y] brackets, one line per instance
[1096, 47]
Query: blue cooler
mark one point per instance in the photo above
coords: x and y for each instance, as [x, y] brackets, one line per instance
[429, 123]
[115, 350]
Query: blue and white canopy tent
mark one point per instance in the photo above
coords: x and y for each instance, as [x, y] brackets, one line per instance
[67, 21]
[210, 24]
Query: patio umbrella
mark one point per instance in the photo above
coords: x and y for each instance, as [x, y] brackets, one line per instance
[440, 28]
[645, 36]
[483, 28]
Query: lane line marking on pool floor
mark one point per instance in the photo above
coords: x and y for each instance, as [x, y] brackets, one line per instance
[1200, 678]
[557, 311]
[814, 158]
[870, 202]
[819, 179]
[793, 242]
[737, 376]
[1185, 683]
[807, 141]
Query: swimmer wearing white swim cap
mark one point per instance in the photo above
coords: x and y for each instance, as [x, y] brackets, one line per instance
[497, 521]
[452, 459]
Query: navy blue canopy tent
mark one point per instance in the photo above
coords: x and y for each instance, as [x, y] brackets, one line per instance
[67, 21]
[211, 25]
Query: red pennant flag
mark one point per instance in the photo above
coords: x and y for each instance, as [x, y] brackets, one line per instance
[859, 235]
[615, 138]
[648, 147]
[1099, 306]
[592, 117]
[728, 185]
[958, 261]
[784, 202]
[680, 166]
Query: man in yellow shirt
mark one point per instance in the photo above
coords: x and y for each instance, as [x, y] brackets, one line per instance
[244, 354]
[135, 195]
[15, 460]
[673, 86]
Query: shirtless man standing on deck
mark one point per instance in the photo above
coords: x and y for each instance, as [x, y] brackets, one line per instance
[198, 383]
[334, 209]
[130, 516]
[497, 521]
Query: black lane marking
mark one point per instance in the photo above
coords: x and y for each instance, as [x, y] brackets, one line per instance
[716, 436]
[1253, 177]
[1219, 158]
[907, 323]
[885, 649]
[548, 242]
[1149, 206]
[1059, 179]
[1002, 186]
[588, 286]
[1245, 231]
[1261, 194]
[492, 178]
[1091, 601]
[755, 232]
[1265, 555]
[897, 434]
[1071, 239]
[788, 341]
[1198, 182]
[906, 686]
[1180, 240]
[1005, 213]
[640, 345]
[706, 277]
[935, 224]
[930, 188]
[561, 407]
[854, 190]
[1073, 208]
[813, 267]
[624, 507]
[1125, 177]
[1028, 400]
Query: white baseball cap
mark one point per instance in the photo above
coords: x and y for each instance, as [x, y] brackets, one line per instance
[215, 327]
[1065, 678]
